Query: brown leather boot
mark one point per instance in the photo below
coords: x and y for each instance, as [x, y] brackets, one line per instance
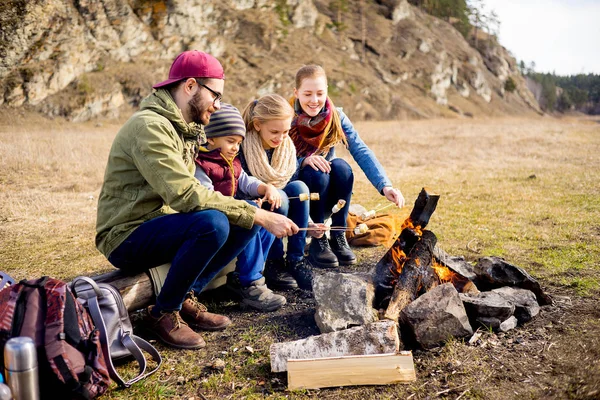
[171, 329]
[196, 314]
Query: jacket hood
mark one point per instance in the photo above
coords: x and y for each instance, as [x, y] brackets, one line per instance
[161, 102]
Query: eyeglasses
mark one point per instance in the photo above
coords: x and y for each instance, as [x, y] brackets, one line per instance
[218, 96]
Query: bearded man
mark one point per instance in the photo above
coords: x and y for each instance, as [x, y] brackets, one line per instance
[152, 210]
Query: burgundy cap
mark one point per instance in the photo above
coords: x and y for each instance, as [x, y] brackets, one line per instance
[193, 64]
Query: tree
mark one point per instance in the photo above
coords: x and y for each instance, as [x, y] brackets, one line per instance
[510, 85]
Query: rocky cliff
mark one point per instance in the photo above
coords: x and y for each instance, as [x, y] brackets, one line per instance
[385, 59]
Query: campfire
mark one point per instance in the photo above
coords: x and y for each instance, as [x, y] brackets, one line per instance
[418, 296]
[409, 268]
[413, 272]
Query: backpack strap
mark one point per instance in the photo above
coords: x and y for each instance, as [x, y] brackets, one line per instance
[131, 342]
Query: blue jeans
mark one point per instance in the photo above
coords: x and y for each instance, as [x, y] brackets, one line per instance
[197, 244]
[251, 260]
[297, 211]
[331, 187]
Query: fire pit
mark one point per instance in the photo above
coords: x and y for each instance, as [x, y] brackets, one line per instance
[431, 295]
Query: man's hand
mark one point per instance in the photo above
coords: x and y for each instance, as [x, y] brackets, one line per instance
[394, 195]
[278, 225]
[318, 163]
[272, 196]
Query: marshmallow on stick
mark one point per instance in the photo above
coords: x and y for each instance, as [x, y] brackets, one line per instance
[367, 215]
[361, 228]
[338, 206]
[307, 196]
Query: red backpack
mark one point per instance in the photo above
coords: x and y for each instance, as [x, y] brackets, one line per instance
[70, 360]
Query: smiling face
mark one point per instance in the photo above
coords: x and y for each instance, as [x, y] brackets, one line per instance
[273, 132]
[312, 94]
[229, 145]
[203, 103]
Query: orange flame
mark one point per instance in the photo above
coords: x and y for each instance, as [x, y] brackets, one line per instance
[408, 223]
[398, 260]
[443, 272]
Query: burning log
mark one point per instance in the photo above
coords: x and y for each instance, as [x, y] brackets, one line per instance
[424, 207]
[416, 276]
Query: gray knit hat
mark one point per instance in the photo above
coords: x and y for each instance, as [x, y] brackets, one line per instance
[226, 121]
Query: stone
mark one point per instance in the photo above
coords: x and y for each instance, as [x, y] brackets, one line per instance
[509, 324]
[487, 309]
[495, 272]
[456, 264]
[305, 14]
[434, 317]
[377, 338]
[526, 305]
[424, 47]
[343, 300]
[402, 11]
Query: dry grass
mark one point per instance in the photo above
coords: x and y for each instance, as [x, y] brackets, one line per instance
[523, 189]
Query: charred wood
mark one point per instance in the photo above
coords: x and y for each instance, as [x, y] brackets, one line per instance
[424, 207]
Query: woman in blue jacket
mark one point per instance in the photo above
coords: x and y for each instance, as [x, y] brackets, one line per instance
[316, 128]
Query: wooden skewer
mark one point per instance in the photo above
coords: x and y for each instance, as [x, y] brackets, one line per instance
[384, 207]
[327, 228]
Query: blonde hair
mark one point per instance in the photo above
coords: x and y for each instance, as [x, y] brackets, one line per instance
[283, 162]
[269, 107]
[334, 133]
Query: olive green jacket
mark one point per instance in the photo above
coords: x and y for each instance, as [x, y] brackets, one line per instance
[150, 173]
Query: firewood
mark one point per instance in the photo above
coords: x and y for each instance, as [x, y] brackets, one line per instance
[416, 277]
[378, 369]
[424, 206]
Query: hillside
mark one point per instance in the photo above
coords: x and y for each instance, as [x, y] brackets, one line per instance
[82, 59]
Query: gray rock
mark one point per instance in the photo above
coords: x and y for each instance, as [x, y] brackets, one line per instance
[456, 264]
[495, 272]
[377, 338]
[435, 316]
[343, 300]
[526, 305]
[487, 305]
[509, 324]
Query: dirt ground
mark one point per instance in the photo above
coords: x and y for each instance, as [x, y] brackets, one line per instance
[554, 356]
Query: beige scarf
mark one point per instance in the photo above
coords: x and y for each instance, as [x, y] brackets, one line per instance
[283, 163]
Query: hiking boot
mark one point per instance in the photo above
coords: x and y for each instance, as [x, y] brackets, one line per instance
[320, 254]
[302, 272]
[171, 329]
[277, 276]
[341, 249]
[197, 315]
[257, 295]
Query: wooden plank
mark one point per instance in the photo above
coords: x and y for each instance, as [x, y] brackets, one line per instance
[375, 369]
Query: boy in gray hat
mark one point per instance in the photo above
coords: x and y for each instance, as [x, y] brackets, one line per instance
[218, 168]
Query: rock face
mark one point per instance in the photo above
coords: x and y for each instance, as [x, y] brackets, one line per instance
[71, 59]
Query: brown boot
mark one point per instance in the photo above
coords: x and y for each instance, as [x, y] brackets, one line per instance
[171, 329]
[196, 314]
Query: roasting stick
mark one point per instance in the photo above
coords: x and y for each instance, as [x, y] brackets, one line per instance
[367, 215]
[360, 228]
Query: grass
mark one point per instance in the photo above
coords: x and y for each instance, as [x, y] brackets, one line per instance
[523, 189]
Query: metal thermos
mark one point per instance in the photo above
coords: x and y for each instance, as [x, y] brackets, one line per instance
[20, 364]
